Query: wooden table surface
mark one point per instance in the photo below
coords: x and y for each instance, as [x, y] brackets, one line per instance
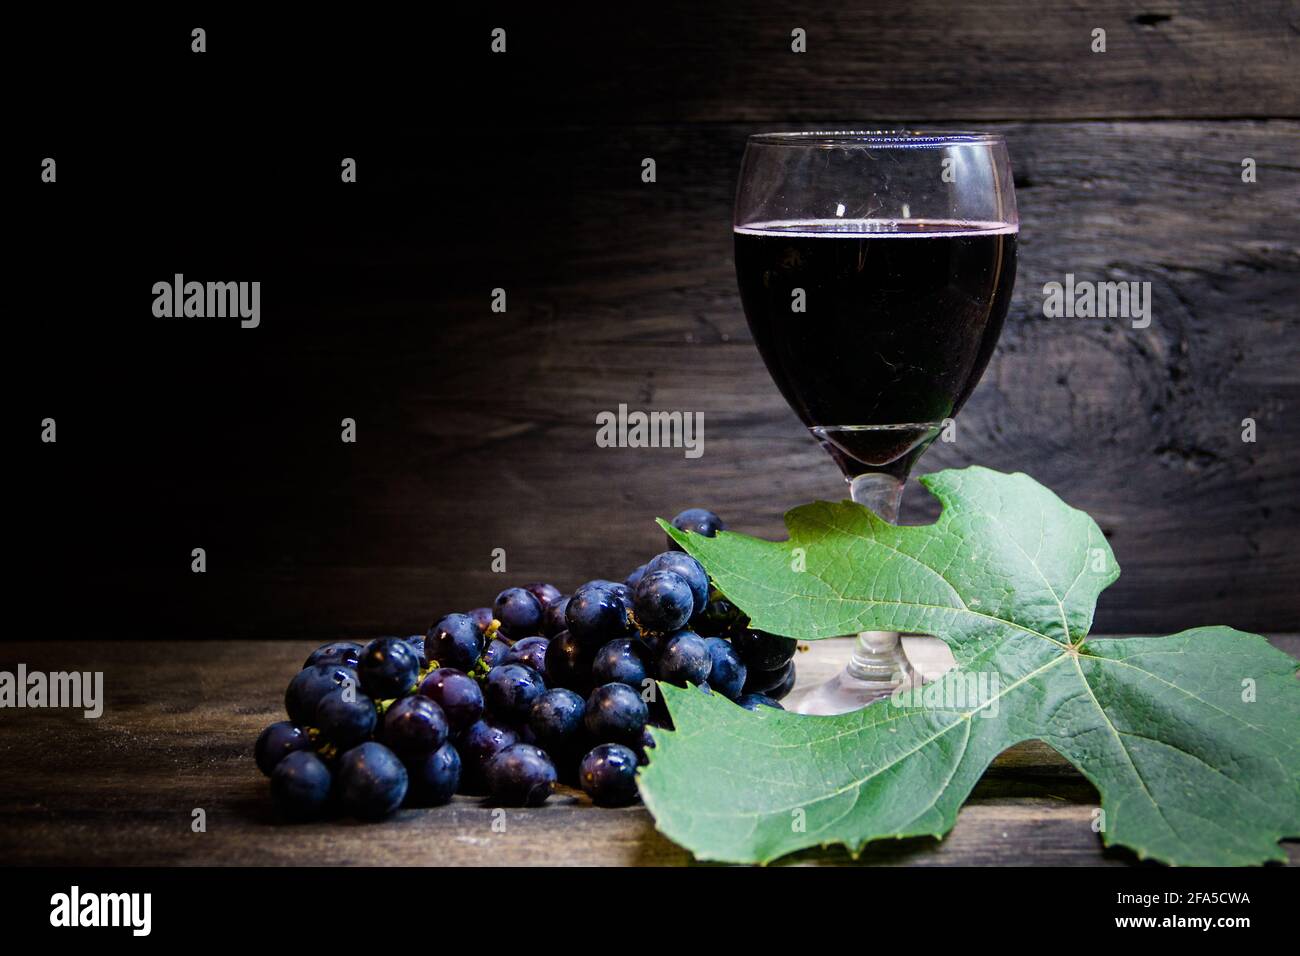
[177, 734]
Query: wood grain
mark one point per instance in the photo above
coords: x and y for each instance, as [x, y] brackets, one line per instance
[882, 61]
[477, 431]
[177, 734]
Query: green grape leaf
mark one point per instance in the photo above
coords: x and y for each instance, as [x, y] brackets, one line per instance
[1192, 740]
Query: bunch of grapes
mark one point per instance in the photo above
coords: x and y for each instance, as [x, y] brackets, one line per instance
[506, 701]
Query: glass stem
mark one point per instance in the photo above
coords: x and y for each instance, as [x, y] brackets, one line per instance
[880, 492]
[878, 655]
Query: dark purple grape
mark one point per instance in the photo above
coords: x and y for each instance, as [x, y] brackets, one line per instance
[624, 660]
[276, 742]
[478, 744]
[415, 727]
[347, 653]
[556, 719]
[596, 613]
[720, 618]
[519, 612]
[608, 775]
[346, 718]
[389, 668]
[755, 701]
[697, 520]
[310, 685]
[457, 694]
[483, 739]
[782, 690]
[455, 641]
[662, 601]
[546, 594]
[300, 785]
[521, 775]
[417, 644]
[495, 653]
[624, 594]
[568, 663]
[553, 617]
[775, 684]
[615, 714]
[727, 673]
[763, 651]
[684, 660]
[435, 778]
[510, 690]
[689, 570]
[372, 781]
[529, 651]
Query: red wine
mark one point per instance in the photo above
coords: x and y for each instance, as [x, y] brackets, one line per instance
[899, 321]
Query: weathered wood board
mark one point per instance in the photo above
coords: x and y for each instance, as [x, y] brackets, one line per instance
[178, 730]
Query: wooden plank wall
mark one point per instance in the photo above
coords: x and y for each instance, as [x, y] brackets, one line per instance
[476, 431]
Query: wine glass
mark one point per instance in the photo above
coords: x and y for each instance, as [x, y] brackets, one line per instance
[875, 269]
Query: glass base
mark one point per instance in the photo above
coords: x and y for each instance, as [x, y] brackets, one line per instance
[877, 667]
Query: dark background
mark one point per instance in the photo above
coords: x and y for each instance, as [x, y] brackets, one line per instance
[476, 430]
